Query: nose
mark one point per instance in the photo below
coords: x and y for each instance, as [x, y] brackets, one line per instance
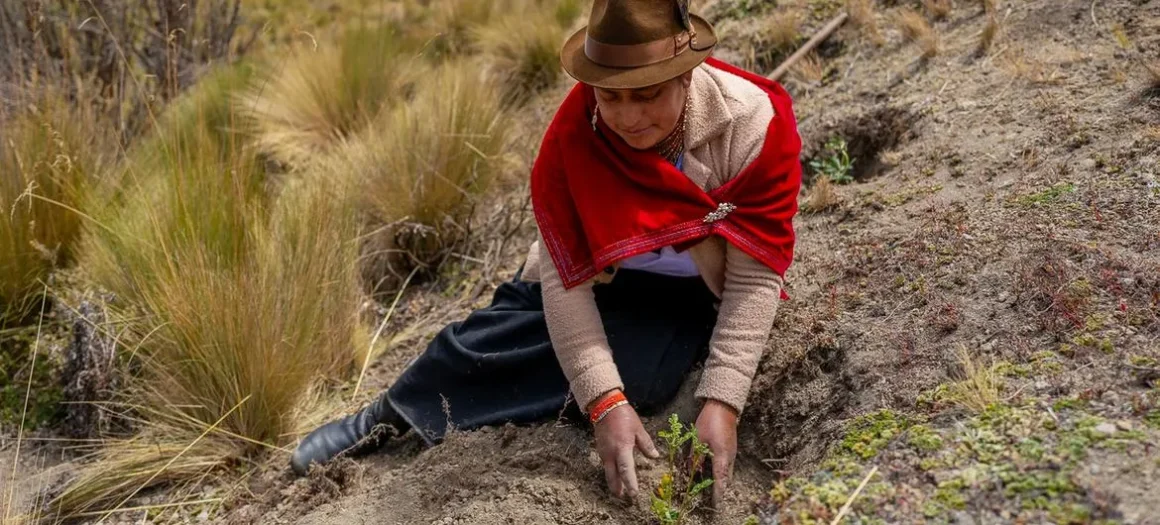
[631, 116]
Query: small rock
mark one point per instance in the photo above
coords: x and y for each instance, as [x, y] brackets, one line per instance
[989, 347]
[1042, 385]
[1003, 297]
[1088, 164]
[1106, 428]
[1125, 425]
[1110, 398]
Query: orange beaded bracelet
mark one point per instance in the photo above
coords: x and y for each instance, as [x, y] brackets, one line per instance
[606, 405]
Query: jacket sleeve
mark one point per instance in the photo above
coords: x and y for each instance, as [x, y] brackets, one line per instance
[748, 306]
[751, 291]
[577, 334]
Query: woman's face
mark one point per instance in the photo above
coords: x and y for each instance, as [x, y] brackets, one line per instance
[645, 116]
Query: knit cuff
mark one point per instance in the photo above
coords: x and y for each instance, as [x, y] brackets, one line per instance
[594, 382]
[724, 384]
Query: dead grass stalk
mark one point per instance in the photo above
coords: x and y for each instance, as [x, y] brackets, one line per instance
[863, 16]
[980, 385]
[915, 28]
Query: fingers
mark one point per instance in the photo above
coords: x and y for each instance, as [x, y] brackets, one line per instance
[722, 466]
[645, 444]
[626, 468]
[613, 478]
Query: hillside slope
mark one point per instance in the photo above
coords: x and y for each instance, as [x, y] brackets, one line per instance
[978, 317]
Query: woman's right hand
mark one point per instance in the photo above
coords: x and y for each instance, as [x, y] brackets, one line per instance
[618, 435]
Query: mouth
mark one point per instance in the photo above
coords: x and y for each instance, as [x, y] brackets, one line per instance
[636, 132]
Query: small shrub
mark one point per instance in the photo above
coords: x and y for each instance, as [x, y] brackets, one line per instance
[915, 28]
[680, 488]
[834, 163]
[862, 14]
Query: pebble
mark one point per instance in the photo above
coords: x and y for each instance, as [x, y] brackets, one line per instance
[1088, 164]
[1106, 428]
[1110, 398]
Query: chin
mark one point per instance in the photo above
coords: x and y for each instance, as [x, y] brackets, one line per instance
[642, 142]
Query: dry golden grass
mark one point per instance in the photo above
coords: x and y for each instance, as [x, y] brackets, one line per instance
[1151, 73]
[241, 302]
[862, 14]
[307, 104]
[421, 166]
[978, 387]
[822, 196]
[1019, 65]
[51, 152]
[809, 71]
[781, 31]
[523, 50]
[989, 35]
[937, 9]
[916, 29]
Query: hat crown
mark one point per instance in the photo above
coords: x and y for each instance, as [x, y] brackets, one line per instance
[630, 22]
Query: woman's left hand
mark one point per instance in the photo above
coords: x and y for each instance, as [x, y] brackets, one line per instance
[717, 427]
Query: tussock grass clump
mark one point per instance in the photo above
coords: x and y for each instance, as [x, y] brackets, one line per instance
[241, 302]
[51, 153]
[937, 9]
[862, 14]
[822, 196]
[1152, 75]
[809, 71]
[979, 386]
[419, 167]
[317, 98]
[782, 32]
[989, 35]
[523, 50]
[915, 28]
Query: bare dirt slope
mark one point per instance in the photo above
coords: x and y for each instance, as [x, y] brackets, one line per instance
[1007, 204]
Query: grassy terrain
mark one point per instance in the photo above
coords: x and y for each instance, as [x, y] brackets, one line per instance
[242, 228]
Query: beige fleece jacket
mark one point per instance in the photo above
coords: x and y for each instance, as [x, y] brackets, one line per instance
[728, 119]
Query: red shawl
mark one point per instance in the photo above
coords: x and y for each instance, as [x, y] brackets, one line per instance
[598, 201]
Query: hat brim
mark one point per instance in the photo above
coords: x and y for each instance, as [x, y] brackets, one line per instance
[578, 66]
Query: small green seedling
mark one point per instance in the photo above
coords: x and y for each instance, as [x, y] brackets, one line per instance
[834, 163]
[680, 489]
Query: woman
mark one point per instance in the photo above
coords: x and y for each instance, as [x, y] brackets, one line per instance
[664, 192]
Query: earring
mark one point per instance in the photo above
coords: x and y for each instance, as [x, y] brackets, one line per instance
[595, 113]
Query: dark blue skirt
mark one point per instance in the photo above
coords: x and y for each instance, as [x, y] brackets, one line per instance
[498, 366]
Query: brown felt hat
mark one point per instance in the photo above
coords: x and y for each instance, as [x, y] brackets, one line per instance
[631, 44]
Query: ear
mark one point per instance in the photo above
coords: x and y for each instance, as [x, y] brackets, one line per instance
[687, 79]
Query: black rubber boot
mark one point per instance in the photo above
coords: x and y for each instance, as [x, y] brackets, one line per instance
[359, 433]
